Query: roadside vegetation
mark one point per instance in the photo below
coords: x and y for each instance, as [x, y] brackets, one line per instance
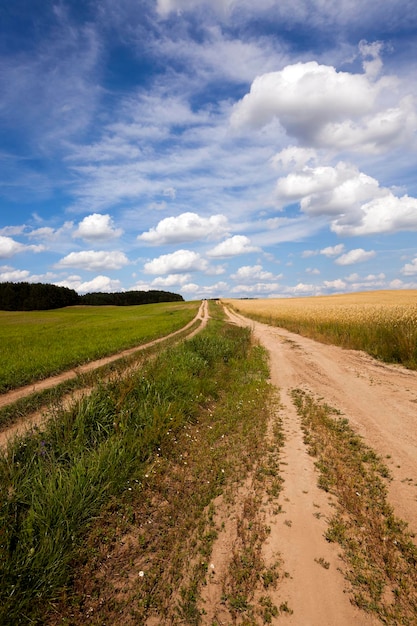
[382, 323]
[108, 512]
[38, 344]
[377, 548]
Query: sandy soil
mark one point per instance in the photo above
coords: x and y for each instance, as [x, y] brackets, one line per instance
[380, 402]
[42, 415]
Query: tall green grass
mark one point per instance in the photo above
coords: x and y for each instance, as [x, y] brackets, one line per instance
[37, 344]
[53, 482]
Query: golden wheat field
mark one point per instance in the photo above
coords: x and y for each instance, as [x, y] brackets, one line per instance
[383, 323]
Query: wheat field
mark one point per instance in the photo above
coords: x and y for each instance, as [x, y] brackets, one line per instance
[383, 323]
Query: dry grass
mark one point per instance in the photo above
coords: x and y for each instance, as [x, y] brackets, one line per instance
[383, 323]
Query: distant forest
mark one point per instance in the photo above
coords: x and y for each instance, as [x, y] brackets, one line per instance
[40, 296]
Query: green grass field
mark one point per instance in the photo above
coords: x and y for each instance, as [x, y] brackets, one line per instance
[55, 481]
[38, 344]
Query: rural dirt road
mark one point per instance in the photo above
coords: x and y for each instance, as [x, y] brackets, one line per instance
[380, 402]
[48, 383]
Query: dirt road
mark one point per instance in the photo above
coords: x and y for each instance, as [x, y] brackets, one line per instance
[380, 402]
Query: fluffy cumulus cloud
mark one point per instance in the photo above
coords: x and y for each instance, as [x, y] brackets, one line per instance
[321, 106]
[327, 190]
[98, 283]
[359, 255]
[330, 251]
[186, 227]
[385, 213]
[8, 274]
[178, 262]
[252, 272]
[97, 227]
[93, 260]
[164, 282]
[354, 201]
[234, 246]
[338, 284]
[9, 247]
[410, 269]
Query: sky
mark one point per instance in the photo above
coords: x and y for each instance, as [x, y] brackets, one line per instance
[211, 148]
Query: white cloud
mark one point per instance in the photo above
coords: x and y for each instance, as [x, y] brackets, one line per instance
[301, 288]
[164, 7]
[410, 269]
[9, 247]
[170, 280]
[327, 190]
[306, 97]
[385, 129]
[371, 281]
[112, 148]
[46, 233]
[322, 107]
[337, 284]
[12, 275]
[170, 192]
[190, 288]
[97, 227]
[252, 272]
[92, 260]
[256, 288]
[12, 230]
[186, 227]
[178, 262]
[306, 254]
[333, 250]
[238, 244]
[206, 291]
[294, 158]
[99, 283]
[384, 214]
[355, 201]
[372, 63]
[359, 255]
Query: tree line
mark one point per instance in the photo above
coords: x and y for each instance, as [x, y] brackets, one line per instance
[40, 296]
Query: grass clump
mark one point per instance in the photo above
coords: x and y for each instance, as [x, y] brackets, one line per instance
[379, 552]
[145, 451]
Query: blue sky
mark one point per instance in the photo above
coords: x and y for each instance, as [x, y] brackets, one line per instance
[209, 147]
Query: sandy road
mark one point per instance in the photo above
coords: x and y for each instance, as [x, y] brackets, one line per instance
[48, 383]
[380, 402]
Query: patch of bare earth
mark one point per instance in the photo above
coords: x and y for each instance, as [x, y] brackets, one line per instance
[380, 402]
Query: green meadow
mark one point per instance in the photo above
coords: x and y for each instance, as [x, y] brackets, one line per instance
[38, 344]
[55, 482]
